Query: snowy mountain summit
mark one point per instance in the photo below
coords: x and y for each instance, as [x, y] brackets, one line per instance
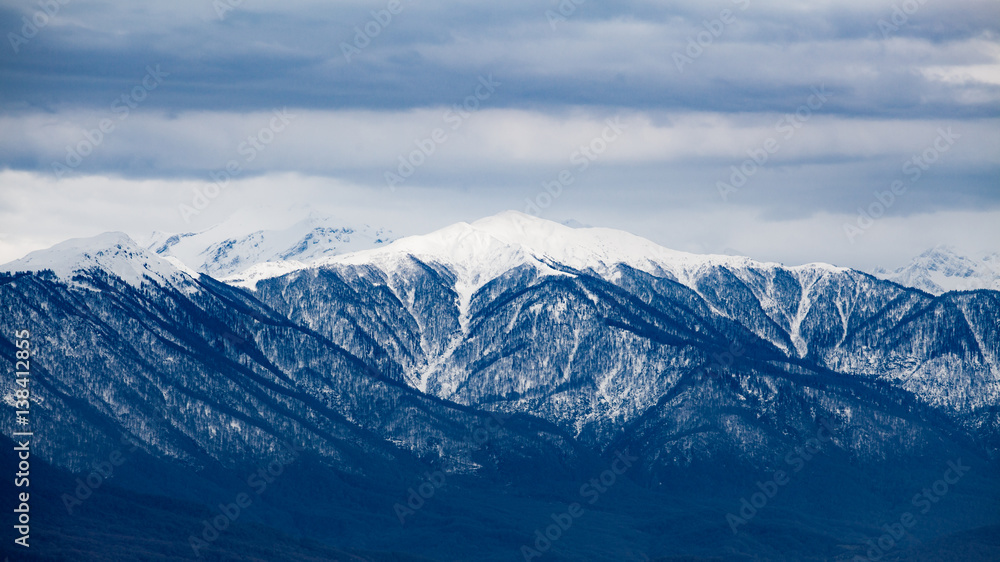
[481, 251]
[111, 253]
[230, 248]
[493, 245]
[942, 269]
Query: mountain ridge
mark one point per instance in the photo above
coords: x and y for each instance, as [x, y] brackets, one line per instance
[231, 247]
[812, 311]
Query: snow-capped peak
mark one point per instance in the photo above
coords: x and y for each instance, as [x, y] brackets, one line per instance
[234, 249]
[942, 268]
[112, 252]
[481, 251]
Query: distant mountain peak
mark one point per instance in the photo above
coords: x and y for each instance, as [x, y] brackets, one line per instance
[232, 247]
[111, 252]
[942, 268]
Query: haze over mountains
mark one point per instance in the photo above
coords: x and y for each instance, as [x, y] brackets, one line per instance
[517, 358]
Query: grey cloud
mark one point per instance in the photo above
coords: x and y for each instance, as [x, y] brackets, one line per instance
[619, 55]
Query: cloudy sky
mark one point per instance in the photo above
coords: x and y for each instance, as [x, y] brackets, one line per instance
[853, 132]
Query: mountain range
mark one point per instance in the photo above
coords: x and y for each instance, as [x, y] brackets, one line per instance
[454, 394]
[230, 248]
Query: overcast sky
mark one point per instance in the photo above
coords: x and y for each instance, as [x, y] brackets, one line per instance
[853, 132]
